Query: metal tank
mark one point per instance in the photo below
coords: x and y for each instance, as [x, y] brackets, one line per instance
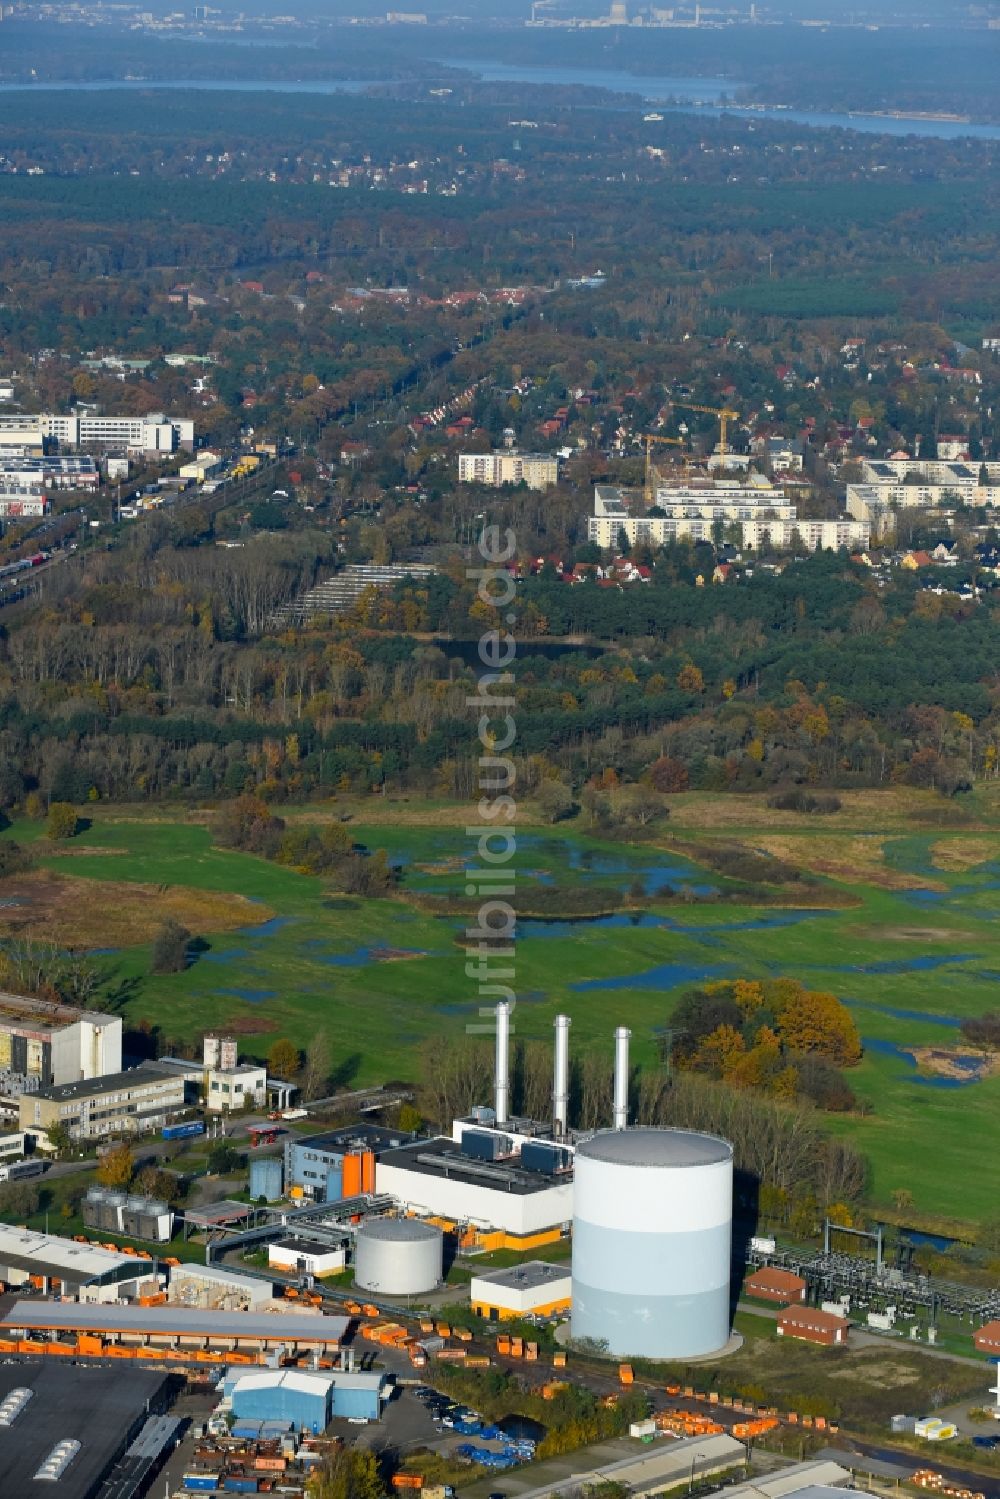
[266, 1178]
[652, 1228]
[398, 1257]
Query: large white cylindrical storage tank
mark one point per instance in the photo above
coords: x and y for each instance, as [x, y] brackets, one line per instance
[652, 1230]
[398, 1257]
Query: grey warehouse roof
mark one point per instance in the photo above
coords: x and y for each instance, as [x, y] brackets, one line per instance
[115, 1317]
[656, 1147]
[399, 1230]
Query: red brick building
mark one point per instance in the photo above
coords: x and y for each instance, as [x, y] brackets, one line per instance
[987, 1339]
[813, 1326]
[771, 1283]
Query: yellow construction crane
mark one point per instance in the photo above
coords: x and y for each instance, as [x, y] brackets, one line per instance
[724, 413]
[649, 438]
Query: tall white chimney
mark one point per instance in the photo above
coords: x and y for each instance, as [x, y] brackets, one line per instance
[560, 1079]
[622, 1037]
[501, 1084]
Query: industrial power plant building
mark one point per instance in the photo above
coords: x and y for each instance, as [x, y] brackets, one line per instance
[652, 1230]
[339, 1163]
[42, 1043]
[535, 1289]
[486, 1185]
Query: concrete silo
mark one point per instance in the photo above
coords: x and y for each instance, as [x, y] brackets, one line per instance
[398, 1257]
[652, 1228]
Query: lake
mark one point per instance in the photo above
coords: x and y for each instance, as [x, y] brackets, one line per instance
[705, 96]
[700, 96]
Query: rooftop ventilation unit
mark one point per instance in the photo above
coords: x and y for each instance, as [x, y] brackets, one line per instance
[58, 1460]
[13, 1404]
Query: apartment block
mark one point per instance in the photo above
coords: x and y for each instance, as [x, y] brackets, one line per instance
[537, 470]
[762, 514]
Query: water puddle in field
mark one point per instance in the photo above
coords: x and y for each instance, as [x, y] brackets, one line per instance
[663, 976]
[923, 964]
[952, 1021]
[267, 928]
[361, 957]
[228, 955]
[971, 1066]
[252, 996]
[711, 933]
[551, 859]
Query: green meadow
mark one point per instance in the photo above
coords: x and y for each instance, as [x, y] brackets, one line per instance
[909, 941]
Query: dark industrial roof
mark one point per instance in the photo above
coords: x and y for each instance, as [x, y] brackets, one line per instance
[656, 1147]
[441, 1157]
[305, 1246]
[100, 1408]
[112, 1082]
[353, 1137]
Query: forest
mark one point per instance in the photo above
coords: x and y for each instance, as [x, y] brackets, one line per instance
[158, 669]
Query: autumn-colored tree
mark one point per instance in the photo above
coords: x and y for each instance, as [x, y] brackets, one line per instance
[61, 823]
[749, 995]
[284, 1058]
[668, 775]
[817, 1022]
[719, 1051]
[690, 679]
[115, 1167]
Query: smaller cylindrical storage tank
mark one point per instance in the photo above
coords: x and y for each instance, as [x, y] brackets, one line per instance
[334, 1189]
[266, 1178]
[398, 1256]
[652, 1230]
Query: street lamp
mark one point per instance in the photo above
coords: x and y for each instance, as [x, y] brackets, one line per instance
[694, 1458]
